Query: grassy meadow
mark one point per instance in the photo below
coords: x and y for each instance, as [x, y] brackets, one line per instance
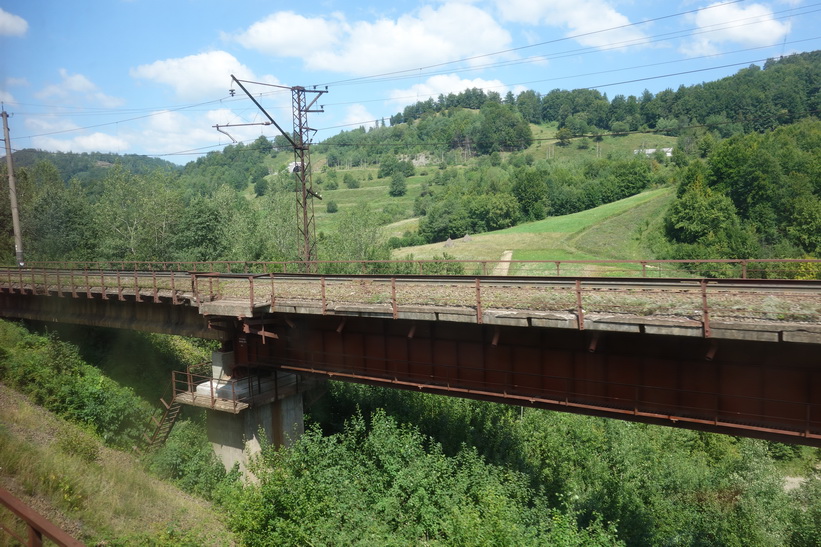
[619, 230]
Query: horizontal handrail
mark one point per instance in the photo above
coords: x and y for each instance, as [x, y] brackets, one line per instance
[699, 299]
[235, 391]
[37, 525]
[771, 268]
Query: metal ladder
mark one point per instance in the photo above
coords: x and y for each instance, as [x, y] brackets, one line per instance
[163, 425]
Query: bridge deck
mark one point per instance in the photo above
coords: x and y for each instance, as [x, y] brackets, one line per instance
[735, 356]
[713, 308]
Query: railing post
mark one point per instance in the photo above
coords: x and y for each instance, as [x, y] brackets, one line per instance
[322, 283]
[154, 286]
[478, 301]
[194, 289]
[137, 297]
[35, 536]
[393, 298]
[743, 269]
[580, 310]
[251, 289]
[273, 298]
[705, 310]
[173, 290]
[119, 287]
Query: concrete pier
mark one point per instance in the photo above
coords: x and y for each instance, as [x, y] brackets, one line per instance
[275, 417]
[237, 438]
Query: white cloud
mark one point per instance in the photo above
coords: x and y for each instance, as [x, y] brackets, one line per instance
[284, 34]
[358, 114]
[12, 25]
[430, 35]
[751, 25]
[443, 85]
[77, 85]
[95, 142]
[197, 76]
[6, 97]
[168, 132]
[580, 17]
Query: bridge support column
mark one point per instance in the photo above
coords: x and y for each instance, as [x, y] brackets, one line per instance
[277, 419]
[237, 438]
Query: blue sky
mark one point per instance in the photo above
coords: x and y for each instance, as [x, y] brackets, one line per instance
[151, 77]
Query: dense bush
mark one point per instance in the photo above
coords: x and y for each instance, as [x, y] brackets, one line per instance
[656, 485]
[382, 483]
[187, 459]
[52, 373]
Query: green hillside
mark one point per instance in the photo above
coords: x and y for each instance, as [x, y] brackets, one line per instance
[614, 231]
[98, 495]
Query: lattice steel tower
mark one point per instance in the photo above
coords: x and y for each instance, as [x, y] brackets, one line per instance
[300, 140]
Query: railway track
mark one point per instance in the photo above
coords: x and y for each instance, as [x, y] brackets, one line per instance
[701, 300]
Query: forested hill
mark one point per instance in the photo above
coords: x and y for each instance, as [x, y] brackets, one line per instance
[89, 165]
[742, 150]
[755, 99]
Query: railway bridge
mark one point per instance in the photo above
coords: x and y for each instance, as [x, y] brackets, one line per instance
[644, 341]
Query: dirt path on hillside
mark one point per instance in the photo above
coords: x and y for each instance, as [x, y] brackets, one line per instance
[504, 263]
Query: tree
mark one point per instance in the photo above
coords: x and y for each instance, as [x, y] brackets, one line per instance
[530, 190]
[350, 181]
[59, 225]
[136, 216]
[398, 186]
[564, 135]
[706, 225]
[358, 237]
[502, 128]
[199, 235]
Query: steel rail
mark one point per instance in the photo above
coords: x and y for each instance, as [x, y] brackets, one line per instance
[65, 281]
[704, 300]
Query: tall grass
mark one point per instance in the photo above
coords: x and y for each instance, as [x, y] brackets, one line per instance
[98, 495]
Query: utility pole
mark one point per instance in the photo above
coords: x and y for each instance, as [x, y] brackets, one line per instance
[300, 142]
[15, 215]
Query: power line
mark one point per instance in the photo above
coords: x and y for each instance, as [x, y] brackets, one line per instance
[580, 51]
[685, 33]
[573, 76]
[520, 48]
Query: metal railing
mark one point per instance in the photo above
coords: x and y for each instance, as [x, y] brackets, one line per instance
[232, 394]
[723, 268]
[37, 527]
[699, 299]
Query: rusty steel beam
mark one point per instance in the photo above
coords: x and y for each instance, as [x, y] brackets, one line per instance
[755, 389]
